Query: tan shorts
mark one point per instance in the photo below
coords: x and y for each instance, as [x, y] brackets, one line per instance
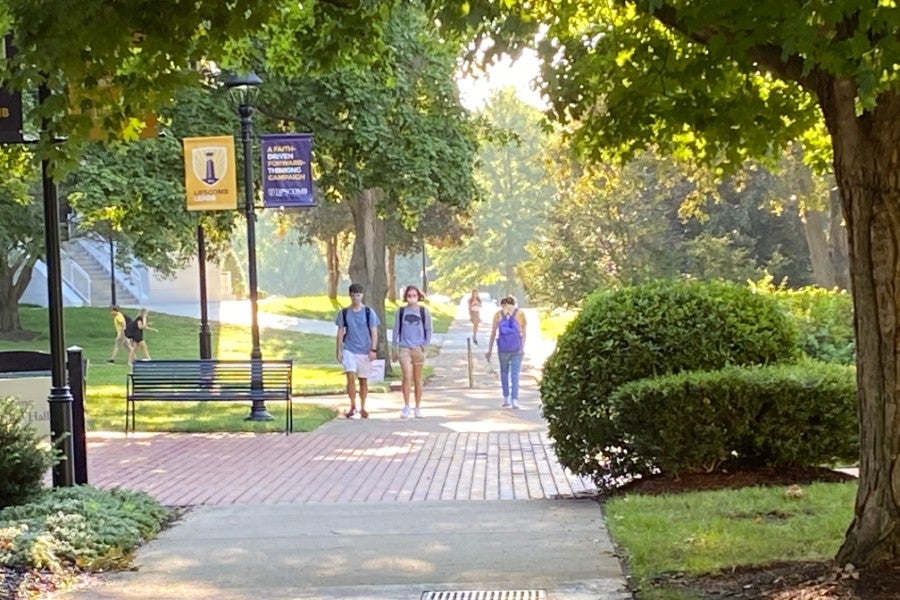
[414, 356]
[475, 317]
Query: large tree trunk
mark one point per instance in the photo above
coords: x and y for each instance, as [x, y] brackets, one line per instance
[867, 170]
[815, 228]
[14, 278]
[333, 263]
[837, 241]
[367, 261]
[391, 275]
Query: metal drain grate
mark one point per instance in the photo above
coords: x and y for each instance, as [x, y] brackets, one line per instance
[487, 595]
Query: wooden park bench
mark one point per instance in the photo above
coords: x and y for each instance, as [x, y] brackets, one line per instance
[209, 380]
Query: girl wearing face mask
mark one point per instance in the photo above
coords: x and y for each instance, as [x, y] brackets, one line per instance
[412, 335]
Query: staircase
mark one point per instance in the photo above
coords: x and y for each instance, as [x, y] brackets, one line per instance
[99, 273]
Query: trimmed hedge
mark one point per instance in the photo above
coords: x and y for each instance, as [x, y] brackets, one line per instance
[775, 416]
[824, 319]
[655, 329]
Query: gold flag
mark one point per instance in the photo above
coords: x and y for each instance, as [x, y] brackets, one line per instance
[209, 173]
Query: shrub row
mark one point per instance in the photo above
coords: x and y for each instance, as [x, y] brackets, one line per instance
[774, 416]
[824, 320]
[655, 329]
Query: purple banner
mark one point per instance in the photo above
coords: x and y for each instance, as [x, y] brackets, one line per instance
[286, 170]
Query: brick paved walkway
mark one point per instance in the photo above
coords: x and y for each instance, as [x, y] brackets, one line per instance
[465, 449]
[212, 469]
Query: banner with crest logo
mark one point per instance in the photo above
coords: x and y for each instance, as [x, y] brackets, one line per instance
[210, 180]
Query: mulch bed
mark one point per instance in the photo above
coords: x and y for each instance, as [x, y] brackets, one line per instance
[785, 581]
[793, 581]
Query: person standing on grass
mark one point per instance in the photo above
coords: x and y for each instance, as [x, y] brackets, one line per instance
[509, 330]
[134, 331]
[475, 314]
[357, 345]
[120, 322]
[412, 334]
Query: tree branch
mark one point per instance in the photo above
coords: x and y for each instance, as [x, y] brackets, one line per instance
[768, 56]
[295, 119]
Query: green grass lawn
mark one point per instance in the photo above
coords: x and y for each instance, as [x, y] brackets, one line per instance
[315, 370]
[554, 323]
[323, 309]
[702, 532]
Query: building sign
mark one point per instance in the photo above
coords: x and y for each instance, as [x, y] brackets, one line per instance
[31, 394]
[209, 173]
[10, 103]
[286, 170]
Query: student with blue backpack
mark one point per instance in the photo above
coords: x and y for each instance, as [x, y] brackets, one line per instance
[509, 331]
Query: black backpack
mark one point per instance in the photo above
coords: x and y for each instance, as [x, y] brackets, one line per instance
[368, 321]
[131, 327]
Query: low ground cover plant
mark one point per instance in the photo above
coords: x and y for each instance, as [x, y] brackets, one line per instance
[65, 530]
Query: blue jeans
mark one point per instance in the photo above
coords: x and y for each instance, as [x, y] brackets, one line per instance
[510, 366]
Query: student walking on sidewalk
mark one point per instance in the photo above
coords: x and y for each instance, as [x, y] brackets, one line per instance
[412, 335]
[475, 314]
[509, 331]
[357, 344]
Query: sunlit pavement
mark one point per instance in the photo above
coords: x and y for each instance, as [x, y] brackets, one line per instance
[470, 497]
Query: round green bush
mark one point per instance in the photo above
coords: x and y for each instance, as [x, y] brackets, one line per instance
[657, 328]
[23, 457]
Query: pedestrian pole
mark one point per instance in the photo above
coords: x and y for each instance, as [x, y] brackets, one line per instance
[469, 358]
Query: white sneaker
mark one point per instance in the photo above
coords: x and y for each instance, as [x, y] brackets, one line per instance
[404, 414]
[506, 403]
[418, 413]
[515, 404]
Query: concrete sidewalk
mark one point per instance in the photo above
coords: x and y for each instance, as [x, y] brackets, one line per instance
[468, 498]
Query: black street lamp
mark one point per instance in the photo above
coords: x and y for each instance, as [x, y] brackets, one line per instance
[243, 89]
[205, 336]
[60, 399]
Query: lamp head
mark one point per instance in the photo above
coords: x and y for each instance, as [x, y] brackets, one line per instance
[243, 87]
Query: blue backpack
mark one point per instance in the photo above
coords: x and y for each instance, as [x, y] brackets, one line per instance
[510, 336]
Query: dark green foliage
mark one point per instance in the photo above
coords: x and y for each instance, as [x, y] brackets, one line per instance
[650, 330]
[824, 319]
[771, 416]
[23, 459]
[92, 528]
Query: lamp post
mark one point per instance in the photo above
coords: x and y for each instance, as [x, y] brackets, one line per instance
[243, 88]
[112, 272]
[205, 338]
[60, 399]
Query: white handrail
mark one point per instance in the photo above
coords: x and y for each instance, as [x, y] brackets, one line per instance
[76, 277]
